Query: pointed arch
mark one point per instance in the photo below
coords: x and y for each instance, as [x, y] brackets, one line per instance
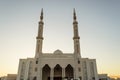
[46, 72]
[57, 72]
[69, 72]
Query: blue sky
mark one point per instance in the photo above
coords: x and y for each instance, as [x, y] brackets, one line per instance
[99, 29]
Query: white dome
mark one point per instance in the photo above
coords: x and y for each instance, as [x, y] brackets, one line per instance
[58, 52]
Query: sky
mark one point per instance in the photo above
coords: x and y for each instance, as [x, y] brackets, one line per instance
[99, 31]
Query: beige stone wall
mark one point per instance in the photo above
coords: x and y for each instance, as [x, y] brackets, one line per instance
[89, 69]
[11, 77]
[3, 78]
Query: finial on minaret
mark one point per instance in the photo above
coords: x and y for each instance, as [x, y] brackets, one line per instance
[74, 15]
[41, 17]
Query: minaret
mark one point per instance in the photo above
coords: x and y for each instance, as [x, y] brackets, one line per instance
[76, 35]
[39, 36]
[77, 55]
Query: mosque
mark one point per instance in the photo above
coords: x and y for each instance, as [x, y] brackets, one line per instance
[57, 65]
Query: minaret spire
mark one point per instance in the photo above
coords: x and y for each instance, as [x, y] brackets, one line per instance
[41, 17]
[76, 35]
[39, 36]
[74, 15]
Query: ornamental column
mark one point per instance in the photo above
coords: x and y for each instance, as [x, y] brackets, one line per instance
[63, 73]
[52, 74]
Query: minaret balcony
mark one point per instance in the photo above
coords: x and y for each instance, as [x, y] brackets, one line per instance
[76, 37]
[39, 38]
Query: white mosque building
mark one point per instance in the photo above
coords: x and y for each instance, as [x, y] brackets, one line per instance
[57, 65]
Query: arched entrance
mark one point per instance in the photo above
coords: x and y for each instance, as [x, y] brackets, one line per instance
[69, 72]
[46, 72]
[58, 72]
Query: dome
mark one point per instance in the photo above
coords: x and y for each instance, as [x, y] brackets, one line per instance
[58, 52]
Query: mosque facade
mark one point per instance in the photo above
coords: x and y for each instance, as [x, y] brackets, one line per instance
[57, 65]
